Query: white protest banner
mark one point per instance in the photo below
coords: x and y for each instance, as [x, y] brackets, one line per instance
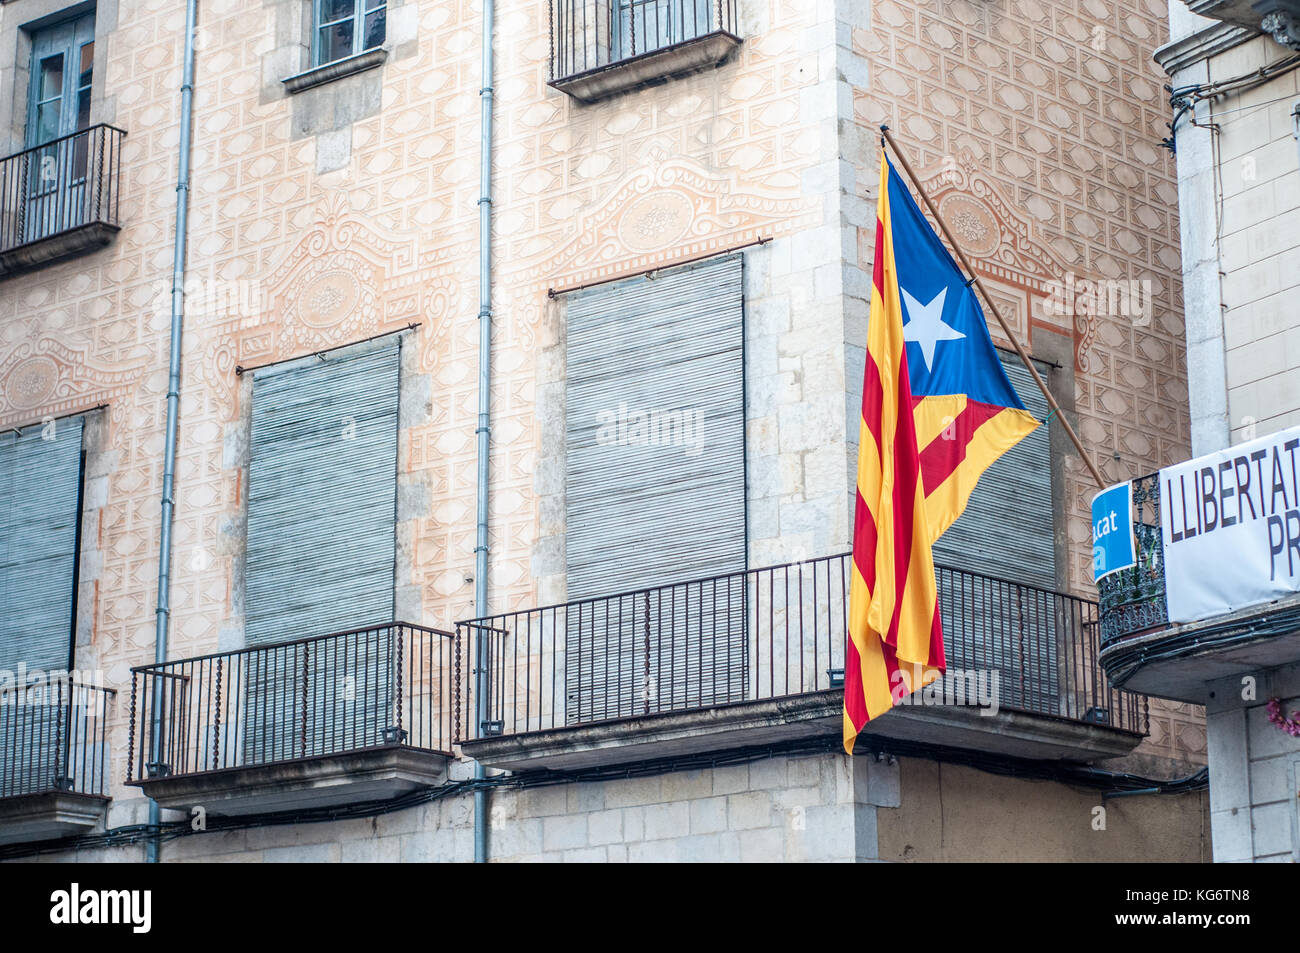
[1231, 526]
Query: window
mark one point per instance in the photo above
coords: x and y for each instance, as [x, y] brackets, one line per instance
[655, 487]
[59, 107]
[1007, 533]
[603, 47]
[322, 497]
[344, 28]
[647, 25]
[40, 507]
[40, 484]
[62, 61]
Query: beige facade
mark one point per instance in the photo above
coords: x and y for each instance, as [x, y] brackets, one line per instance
[323, 217]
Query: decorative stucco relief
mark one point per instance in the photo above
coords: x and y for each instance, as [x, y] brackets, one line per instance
[666, 211]
[48, 377]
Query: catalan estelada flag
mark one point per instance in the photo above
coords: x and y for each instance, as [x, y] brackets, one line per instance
[937, 411]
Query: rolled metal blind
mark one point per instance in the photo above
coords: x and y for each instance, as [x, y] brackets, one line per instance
[655, 487]
[40, 494]
[1007, 528]
[322, 492]
[1007, 532]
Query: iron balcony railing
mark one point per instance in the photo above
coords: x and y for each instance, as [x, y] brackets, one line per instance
[770, 633]
[591, 34]
[1133, 600]
[53, 737]
[60, 186]
[384, 685]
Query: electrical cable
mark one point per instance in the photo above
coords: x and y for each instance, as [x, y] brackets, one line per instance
[1110, 783]
[1184, 99]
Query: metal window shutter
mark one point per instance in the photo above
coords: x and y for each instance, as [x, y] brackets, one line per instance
[1006, 532]
[322, 488]
[40, 490]
[643, 515]
[40, 493]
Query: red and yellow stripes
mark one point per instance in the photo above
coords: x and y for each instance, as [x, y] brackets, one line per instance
[960, 439]
[894, 625]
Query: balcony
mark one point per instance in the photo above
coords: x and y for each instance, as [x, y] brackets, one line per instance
[1278, 17]
[335, 719]
[603, 47]
[1142, 650]
[52, 759]
[757, 657]
[60, 199]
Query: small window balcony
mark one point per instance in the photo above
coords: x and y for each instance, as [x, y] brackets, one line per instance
[757, 658]
[60, 199]
[1142, 650]
[603, 47]
[338, 719]
[52, 759]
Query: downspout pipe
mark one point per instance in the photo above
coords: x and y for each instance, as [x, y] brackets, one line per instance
[484, 429]
[162, 618]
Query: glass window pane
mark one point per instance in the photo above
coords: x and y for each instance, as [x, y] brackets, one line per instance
[332, 10]
[83, 107]
[80, 155]
[84, 86]
[87, 64]
[51, 79]
[375, 4]
[374, 35]
[336, 41]
[47, 121]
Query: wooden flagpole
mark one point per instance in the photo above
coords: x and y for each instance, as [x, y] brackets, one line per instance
[1006, 328]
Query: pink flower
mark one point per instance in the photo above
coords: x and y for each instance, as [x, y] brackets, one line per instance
[1290, 725]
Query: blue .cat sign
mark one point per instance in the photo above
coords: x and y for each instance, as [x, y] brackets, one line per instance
[1112, 530]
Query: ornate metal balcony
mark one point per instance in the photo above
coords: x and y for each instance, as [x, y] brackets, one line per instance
[52, 758]
[1133, 600]
[332, 719]
[603, 47]
[60, 199]
[765, 649]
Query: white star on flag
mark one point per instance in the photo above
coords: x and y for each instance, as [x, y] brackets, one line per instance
[925, 325]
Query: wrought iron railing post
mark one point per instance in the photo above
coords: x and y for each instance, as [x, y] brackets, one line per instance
[398, 736]
[24, 193]
[60, 766]
[130, 738]
[306, 662]
[645, 691]
[457, 690]
[216, 727]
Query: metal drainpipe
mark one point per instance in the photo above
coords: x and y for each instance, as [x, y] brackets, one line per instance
[484, 429]
[163, 614]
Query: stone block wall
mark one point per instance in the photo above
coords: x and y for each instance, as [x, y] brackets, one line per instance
[1255, 782]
